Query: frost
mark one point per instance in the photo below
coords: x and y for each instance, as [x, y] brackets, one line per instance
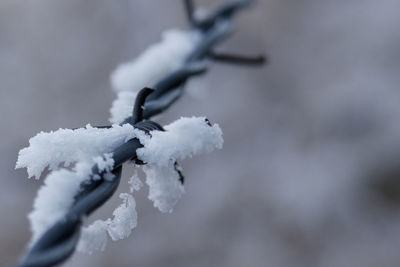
[155, 63]
[94, 237]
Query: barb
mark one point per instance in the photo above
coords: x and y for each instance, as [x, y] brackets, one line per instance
[137, 113]
[237, 59]
[60, 240]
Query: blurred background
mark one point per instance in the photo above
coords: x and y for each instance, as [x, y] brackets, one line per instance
[309, 173]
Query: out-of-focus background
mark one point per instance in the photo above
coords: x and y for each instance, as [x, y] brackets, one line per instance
[309, 173]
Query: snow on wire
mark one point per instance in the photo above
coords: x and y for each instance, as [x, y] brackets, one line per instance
[82, 147]
[157, 61]
[85, 164]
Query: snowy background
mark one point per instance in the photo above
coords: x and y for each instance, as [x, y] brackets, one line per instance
[308, 175]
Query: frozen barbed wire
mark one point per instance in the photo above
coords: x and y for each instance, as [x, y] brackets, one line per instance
[98, 153]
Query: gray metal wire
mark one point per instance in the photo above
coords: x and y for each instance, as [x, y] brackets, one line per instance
[59, 242]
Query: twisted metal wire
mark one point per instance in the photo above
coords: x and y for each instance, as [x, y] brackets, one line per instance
[59, 242]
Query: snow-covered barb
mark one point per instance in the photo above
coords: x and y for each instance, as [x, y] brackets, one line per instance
[70, 146]
[156, 62]
[183, 138]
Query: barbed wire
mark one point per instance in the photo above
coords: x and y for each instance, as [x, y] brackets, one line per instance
[59, 242]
